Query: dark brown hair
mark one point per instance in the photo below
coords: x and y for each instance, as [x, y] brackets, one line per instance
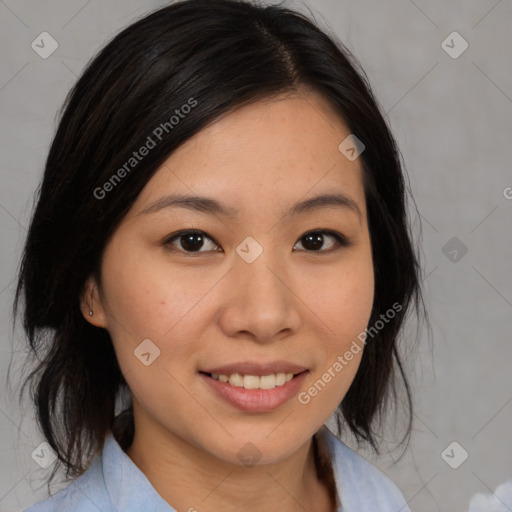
[222, 54]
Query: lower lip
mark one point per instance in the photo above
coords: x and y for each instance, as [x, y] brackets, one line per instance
[256, 400]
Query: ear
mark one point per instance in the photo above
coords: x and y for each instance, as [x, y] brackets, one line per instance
[90, 301]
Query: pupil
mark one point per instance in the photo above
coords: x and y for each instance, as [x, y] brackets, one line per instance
[188, 242]
[315, 240]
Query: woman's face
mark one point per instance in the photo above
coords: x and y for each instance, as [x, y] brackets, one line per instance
[255, 293]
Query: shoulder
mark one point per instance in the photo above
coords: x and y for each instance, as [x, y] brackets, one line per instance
[499, 501]
[111, 483]
[84, 494]
[362, 486]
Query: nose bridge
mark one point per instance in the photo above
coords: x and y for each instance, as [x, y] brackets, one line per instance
[258, 270]
[261, 301]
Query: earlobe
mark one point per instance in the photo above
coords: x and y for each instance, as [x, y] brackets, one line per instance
[91, 304]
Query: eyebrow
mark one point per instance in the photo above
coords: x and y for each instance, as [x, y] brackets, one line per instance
[213, 207]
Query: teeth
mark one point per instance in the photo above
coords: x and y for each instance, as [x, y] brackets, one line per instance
[281, 378]
[266, 381]
[236, 380]
[254, 381]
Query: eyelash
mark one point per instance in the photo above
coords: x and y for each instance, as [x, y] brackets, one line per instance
[341, 240]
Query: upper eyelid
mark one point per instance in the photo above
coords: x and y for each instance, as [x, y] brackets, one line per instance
[186, 232]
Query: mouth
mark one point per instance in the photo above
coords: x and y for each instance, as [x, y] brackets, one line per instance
[247, 381]
[252, 388]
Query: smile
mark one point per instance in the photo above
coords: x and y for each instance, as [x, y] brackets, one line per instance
[254, 393]
[254, 381]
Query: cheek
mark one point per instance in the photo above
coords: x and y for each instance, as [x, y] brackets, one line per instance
[143, 298]
[342, 299]
[356, 302]
[343, 304]
[145, 301]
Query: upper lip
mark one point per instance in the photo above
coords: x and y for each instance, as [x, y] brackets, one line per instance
[259, 369]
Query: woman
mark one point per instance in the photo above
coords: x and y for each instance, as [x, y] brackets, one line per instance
[221, 239]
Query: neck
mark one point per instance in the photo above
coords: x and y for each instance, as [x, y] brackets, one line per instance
[189, 478]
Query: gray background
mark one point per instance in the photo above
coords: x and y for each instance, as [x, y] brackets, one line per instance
[452, 118]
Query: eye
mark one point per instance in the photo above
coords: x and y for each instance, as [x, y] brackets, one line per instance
[190, 241]
[314, 240]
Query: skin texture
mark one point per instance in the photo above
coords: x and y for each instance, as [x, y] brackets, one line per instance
[208, 308]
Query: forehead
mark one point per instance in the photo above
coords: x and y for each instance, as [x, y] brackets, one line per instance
[274, 151]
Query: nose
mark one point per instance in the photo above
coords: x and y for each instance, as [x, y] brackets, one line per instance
[260, 302]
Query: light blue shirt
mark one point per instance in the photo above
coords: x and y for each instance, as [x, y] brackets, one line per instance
[113, 483]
